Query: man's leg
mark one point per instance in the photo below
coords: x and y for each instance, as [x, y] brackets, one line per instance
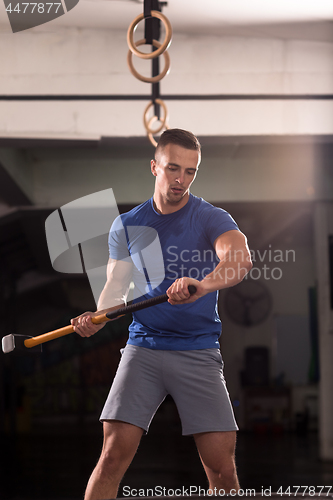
[217, 453]
[121, 441]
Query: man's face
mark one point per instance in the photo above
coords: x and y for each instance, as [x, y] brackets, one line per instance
[175, 169]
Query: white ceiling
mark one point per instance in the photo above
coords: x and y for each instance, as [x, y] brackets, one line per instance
[191, 15]
[304, 19]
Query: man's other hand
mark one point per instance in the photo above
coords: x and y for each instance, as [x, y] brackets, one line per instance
[178, 292]
[83, 325]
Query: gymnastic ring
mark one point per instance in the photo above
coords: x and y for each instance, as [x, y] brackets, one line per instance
[152, 140]
[162, 48]
[147, 79]
[161, 103]
[150, 135]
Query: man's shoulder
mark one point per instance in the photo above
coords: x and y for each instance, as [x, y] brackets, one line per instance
[136, 212]
[133, 217]
[206, 207]
[212, 219]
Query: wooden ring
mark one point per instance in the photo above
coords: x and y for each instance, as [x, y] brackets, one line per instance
[150, 135]
[147, 125]
[152, 140]
[153, 79]
[162, 48]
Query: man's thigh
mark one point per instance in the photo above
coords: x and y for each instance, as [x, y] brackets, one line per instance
[195, 381]
[121, 439]
[137, 389]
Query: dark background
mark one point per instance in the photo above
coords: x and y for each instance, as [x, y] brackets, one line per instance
[50, 404]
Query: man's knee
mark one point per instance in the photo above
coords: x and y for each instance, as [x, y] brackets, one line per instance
[223, 468]
[121, 441]
[112, 461]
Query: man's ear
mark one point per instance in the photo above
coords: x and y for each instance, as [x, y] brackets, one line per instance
[153, 167]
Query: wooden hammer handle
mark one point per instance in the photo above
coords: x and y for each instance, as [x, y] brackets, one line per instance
[61, 332]
[114, 313]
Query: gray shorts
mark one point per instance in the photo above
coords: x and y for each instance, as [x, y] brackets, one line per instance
[194, 379]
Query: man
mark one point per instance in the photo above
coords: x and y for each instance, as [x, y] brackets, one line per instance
[173, 348]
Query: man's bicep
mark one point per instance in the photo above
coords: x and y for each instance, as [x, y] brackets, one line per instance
[119, 272]
[232, 244]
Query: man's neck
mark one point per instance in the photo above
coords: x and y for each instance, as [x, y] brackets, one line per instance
[165, 207]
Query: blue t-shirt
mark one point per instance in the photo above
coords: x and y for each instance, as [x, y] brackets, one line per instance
[187, 241]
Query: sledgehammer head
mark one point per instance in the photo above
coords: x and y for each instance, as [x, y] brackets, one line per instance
[15, 342]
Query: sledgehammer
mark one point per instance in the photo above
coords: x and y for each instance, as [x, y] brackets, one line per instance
[21, 342]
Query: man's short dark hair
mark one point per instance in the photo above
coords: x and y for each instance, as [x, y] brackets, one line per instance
[179, 137]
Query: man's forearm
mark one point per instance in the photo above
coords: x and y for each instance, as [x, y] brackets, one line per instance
[110, 297]
[226, 274]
